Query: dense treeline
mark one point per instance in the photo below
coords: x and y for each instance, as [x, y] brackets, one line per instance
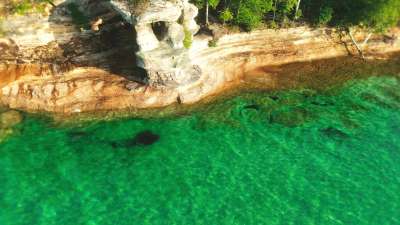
[377, 14]
[23, 6]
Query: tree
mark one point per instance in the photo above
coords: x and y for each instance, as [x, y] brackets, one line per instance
[226, 16]
[371, 15]
[376, 15]
[206, 4]
[297, 14]
[250, 13]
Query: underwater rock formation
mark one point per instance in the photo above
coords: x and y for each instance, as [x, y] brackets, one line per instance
[8, 120]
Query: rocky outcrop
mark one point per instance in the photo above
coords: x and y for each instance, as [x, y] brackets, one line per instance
[161, 30]
[79, 70]
[8, 120]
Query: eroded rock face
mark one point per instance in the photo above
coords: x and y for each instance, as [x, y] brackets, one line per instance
[161, 30]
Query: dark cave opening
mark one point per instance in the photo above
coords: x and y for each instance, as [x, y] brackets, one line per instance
[160, 30]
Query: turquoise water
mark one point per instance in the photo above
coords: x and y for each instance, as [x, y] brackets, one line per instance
[262, 157]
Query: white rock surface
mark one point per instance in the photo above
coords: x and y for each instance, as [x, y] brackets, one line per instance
[165, 59]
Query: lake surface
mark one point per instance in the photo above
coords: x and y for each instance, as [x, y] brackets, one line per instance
[284, 157]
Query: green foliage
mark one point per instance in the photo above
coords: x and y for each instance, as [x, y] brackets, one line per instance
[188, 40]
[23, 7]
[251, 13]
[248, 19]
[286, 7]
[226, 16]
[298, 14]
[213, 3]
[212, 43]
[375, 14]
[272, 25]
[325, 16]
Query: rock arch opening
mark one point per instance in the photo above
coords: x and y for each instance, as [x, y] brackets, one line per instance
[160, 30]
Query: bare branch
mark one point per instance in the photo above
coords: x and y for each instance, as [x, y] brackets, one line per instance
[359, 48]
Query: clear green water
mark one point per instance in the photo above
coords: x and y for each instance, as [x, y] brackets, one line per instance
[290, 157]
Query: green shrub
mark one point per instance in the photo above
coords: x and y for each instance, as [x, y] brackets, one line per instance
[248, 19]
[325, 16]
[226, 16]
[212, 43]
[188, 40]
[299, 14]
[23, 7]
[273, 25]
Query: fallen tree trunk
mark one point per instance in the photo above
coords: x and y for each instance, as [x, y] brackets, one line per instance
[358, 46]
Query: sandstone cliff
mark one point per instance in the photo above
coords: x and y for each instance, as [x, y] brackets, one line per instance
[49, 63]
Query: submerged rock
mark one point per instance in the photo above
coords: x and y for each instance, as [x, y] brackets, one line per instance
[143, 138]
[274, 97]
[321, 103]
[333, 132]
[10, 118]
[77, 135]
[291, 118]
[4, 133]
[146, 138]
[252, 106]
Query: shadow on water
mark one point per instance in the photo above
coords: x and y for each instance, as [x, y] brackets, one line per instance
[111, 48]
[143, 138]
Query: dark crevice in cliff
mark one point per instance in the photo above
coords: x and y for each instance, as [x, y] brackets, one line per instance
[112, 47]
[160, 30]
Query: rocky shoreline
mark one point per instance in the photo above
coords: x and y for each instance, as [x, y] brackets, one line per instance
[53, 66]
